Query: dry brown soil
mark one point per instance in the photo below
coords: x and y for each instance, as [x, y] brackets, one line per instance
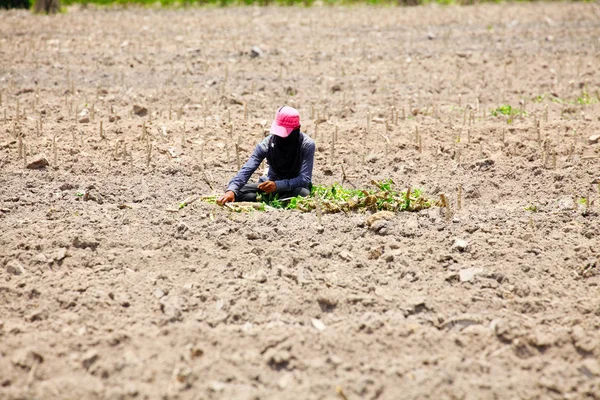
[107, 291]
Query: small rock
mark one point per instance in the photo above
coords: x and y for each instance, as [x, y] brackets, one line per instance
[430, 36]
[566, 204]
[255, 52]
[590, 367]
[194, 351]
[460, 245]
[371, 158]
[445, 258]
[327, 302]
[158, 293]
[182, 378]
[41, 258]
[60, 254]
[113, 118]
[84, 116]
[66, 186]
[252, 235]
[26, 359]
[336, 88]
[318, 324]
[278, 359]
[37, 162]
[6, 145]
[140, 111]
[467, 274]
[89, 358]
[14, 267]
[175, 151]
[379, 216]
[346, 256]
[483, 164]
[85, 243]
[260, 276]
[38, 315]
[285, 381]
[594, 139]
[216, 386]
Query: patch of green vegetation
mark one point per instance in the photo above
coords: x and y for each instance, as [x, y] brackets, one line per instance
[582, 201]
[336, 198]
[532, 208]
[585, 99]
[509, 111]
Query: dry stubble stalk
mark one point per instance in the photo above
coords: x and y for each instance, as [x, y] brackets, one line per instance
[445, 205]
[20, 146]
[149, 154]
[332, 150]
[183, 136]
[459, 197]
[587, 200]
[318, 209]
[116, 150]
[54, 151]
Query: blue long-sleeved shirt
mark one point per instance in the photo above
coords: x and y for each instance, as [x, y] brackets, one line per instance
[303, 179]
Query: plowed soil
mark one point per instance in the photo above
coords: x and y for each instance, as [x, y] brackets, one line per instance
[111, 289]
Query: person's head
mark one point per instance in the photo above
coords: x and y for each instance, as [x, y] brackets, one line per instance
[286, 121]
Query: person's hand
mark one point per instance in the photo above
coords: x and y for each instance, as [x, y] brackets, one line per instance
[268, 187]
[228, 197]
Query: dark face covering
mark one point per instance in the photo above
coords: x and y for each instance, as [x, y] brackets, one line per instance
[284, 155]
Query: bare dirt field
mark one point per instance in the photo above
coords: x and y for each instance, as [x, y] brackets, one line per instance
[109, 290]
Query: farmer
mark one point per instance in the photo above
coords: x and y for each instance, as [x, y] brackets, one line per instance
[290, 155]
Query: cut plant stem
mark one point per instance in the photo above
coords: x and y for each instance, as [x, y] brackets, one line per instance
[20, 146]
[54, 151]
[446, 205]
[332, 150]
[459, 197]
[149, 154]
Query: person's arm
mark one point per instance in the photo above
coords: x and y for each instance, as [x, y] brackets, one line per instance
[242, 177]
[306, 167]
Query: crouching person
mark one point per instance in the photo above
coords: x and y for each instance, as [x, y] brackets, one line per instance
[290, 155]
